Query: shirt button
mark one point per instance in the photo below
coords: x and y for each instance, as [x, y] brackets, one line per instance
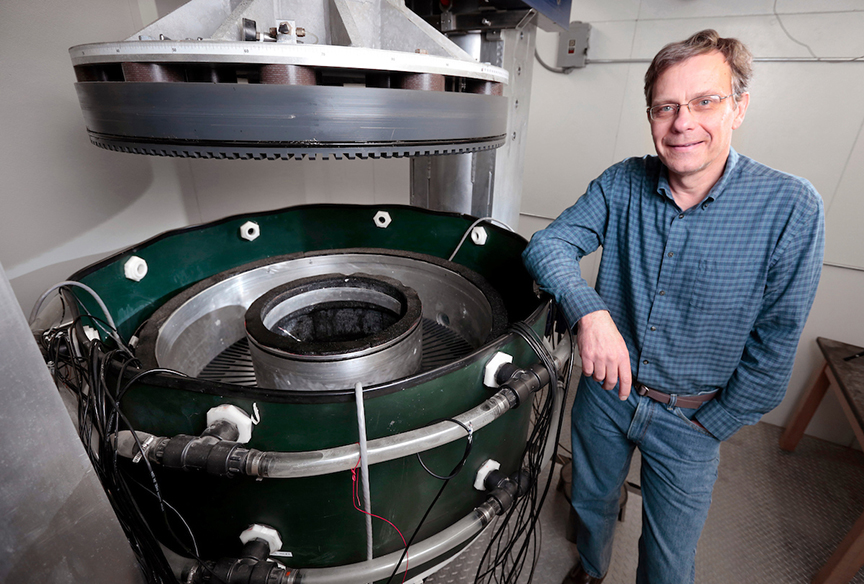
[662, 292]
[653, 328]
[645, 362]
[671, 253]
[681, 216]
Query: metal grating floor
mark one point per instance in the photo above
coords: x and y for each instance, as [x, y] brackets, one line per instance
[441, 345]
[776, 517]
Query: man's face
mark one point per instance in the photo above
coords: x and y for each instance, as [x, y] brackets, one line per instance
[696, 145]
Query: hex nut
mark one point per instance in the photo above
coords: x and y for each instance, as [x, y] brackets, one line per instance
[479, 235]
[490, 372]
[135, 269]
[250, 231]
[483, 472]
[382, 219]
[233, 414]
[263, 532]
[91, 333]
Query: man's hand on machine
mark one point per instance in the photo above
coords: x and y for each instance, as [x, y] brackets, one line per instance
[604, 353]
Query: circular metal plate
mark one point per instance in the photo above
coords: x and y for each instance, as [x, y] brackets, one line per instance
[330, 56]
[216, 120]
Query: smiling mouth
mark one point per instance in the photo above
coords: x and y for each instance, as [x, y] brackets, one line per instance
[682, 146]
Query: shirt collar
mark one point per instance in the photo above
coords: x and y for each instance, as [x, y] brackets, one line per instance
[716, 190]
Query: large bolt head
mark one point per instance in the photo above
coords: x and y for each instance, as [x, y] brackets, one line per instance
[483, 472]
[234, 415]
[263, 532]
[479, 235]
[135, 268]
[250, 231]
[382, 219]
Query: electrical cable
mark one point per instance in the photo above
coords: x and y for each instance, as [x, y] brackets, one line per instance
[83, 370]
[446, 479]
[516, 537]
[473, 225]
[67, 283]
[113, 430]
[793, 39]
[636, 60]
[355, 500]
[104, 460]
[364, 466]
[468, 428]
[803, 44]
[305, 43]
[176, 512]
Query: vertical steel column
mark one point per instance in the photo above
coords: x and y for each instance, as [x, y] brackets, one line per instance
[488, 183]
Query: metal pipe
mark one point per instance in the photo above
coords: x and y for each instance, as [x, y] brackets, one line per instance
[755, 60]
[302, 464]
[418, 554]
[287, 465]
[832, 264]
[844, 266]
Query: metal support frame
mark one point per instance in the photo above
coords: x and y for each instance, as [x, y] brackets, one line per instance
[54, 510]
[486, 184]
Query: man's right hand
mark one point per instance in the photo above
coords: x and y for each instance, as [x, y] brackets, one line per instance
[604, 353]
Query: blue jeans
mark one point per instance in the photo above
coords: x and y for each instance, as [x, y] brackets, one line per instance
[679, 467]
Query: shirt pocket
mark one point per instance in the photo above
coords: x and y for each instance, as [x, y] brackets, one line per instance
[727, 286]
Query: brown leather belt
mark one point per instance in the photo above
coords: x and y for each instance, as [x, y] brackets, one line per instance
[689, 402]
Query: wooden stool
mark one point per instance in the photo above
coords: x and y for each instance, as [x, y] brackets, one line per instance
[846, 379]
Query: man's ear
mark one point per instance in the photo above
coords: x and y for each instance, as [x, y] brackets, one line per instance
[742, 103]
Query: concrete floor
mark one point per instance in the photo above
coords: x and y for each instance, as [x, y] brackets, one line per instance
[776, 517]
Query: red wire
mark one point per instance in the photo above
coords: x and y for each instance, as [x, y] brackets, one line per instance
[355, 499]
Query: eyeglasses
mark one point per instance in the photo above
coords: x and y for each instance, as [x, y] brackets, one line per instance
[699, 106]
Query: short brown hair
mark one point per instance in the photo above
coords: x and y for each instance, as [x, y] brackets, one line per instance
[737, 55]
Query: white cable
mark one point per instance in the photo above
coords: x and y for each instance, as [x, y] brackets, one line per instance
[364, 467]
[108, 318]
[475, 224]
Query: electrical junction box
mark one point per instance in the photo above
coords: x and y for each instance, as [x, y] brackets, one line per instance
[573, 45]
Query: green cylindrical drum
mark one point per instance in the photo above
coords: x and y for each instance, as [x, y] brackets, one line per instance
[348, 294]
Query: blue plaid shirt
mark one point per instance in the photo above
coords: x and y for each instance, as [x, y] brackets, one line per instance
[714, 297]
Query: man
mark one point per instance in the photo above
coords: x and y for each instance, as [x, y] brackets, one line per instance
[710, 264]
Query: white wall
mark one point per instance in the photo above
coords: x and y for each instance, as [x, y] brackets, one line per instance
[66, 203]
[804, 118]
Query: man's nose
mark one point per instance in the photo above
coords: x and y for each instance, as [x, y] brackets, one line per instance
[684, 119]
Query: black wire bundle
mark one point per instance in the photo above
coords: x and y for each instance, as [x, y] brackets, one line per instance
[82, 367]
[518, 533]
[446, 479]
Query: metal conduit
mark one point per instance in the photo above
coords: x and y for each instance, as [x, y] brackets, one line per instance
[418, 554]
[755, 60]
[302, 464]
[287, 465]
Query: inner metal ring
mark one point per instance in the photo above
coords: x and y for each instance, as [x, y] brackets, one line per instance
[332, 331]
